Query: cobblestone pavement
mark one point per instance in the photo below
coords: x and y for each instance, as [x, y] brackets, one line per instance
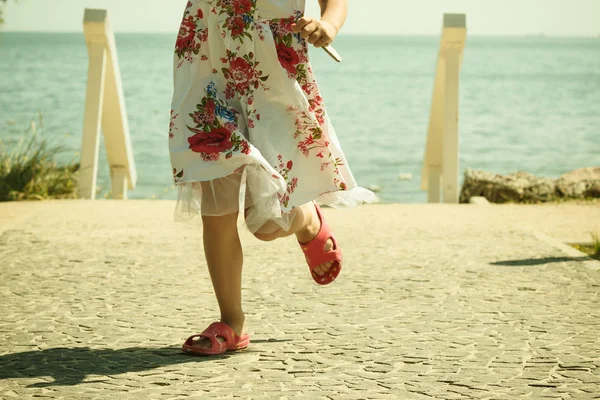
[434, 302]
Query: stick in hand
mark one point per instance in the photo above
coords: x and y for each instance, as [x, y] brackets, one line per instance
[320, 33]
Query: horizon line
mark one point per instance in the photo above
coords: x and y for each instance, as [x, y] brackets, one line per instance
[508, 35]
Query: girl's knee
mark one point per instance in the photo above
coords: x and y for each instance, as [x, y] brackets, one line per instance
[268, 232]
[222, 222]
[267, 237]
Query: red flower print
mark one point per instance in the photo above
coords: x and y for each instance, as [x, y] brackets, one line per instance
[242, 76]
[190, 37]
[204, 117]
[289, 164]
[286, 26]
[186, 36]
[229, 92]
[237, 26]
[200, 13]
[287, 57]
[216, 141]
[210, 107]
[242, 6]
[245, 147]
[230, 126]
[240, 69]
[210, 157]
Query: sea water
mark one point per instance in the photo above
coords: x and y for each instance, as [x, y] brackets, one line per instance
[530, 104]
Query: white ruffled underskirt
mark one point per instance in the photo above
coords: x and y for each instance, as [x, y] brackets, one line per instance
[252, 189]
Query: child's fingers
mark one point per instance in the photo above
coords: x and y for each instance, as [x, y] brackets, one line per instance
[315, 36]
[309, 29]
[301, 23]
[322, 41]
[321, 37]
[305, 26]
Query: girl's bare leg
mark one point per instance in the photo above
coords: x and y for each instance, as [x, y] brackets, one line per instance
[224, 257]
[305, 226]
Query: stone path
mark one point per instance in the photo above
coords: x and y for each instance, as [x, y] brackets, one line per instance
[434, 302]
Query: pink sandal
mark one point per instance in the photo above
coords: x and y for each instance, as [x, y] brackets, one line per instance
[315, 255]
[232, 341]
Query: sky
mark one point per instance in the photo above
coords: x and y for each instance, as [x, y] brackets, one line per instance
[399, 17]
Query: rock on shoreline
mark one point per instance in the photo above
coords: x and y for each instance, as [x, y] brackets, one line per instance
[523, 187]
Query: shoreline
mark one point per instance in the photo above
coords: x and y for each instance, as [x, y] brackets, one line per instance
[568, 222]
[433, 36]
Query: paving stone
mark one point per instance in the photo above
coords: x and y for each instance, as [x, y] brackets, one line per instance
[448, 302]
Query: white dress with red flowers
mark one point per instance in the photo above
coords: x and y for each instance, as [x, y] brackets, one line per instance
[248, 126]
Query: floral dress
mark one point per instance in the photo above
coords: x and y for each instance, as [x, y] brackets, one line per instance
[249, 130]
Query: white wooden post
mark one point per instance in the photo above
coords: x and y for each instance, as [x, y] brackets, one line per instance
[450, 157]
[105, 107]
[441, 162]
[88, 170]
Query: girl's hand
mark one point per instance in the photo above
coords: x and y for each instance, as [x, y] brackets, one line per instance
[318, 32]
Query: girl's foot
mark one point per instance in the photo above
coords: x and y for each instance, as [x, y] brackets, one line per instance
[310, 231]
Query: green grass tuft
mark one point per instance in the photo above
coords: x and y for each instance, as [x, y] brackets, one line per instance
[596, 245]
[30, 172]
[592, 249]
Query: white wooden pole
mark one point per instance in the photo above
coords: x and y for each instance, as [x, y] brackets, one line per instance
[439, 175]
[92, 121]
[432, 165]
[434, 192]
[105, 107]
[118, 183]
[450, 165]
[115, 126]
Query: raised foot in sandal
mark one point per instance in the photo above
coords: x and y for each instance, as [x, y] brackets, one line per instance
[323, 255]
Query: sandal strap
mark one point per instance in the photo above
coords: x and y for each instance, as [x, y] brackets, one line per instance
[219, 329]
[314, 249]
[316, 256]
[211, 333]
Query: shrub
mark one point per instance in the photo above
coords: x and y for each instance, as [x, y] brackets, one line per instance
[29, 171]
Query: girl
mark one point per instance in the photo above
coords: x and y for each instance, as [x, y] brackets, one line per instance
[249, 131]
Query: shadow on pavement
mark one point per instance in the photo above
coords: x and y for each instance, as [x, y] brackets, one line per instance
[271, 340]
[70, 366]
[530, 262]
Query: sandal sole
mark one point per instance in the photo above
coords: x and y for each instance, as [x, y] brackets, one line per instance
[239, 347]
